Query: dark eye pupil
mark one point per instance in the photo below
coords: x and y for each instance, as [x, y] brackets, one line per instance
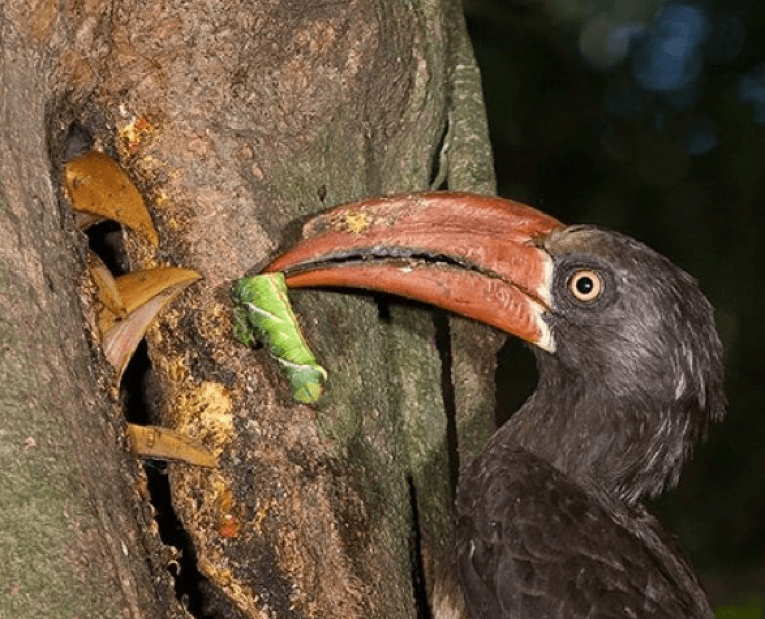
[584, 285]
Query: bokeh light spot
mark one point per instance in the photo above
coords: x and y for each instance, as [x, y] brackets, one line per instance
[668, 56]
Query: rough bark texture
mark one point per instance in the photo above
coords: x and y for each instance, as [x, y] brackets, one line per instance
[71, 542]
[235, 119]
[474, 346]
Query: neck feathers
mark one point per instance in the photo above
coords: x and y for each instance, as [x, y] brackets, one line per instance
[627, 444]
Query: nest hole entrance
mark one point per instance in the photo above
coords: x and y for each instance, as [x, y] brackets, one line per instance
[141, 400]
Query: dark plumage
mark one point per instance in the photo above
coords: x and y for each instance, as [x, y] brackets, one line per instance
[548, 522]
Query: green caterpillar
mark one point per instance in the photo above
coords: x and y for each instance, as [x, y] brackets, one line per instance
[262, 313]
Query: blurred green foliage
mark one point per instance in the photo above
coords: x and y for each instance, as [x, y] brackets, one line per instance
[753, 609]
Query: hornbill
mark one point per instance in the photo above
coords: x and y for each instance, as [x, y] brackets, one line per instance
[548, 520]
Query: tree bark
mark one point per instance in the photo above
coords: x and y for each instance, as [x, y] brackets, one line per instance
[235, 119]
[74, 539]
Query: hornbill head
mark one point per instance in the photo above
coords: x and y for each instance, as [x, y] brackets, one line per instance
[629, 360]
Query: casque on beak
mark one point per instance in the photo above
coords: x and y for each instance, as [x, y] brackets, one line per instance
[475, 255]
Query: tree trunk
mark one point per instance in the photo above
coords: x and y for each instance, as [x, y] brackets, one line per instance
[235, 119]
[72, 540]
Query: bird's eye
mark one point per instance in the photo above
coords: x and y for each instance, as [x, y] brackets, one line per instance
[585, 285]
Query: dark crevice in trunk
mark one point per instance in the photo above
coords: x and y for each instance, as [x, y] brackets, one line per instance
[438, 166]
[171, 532]
[138, 395]
[419, 585]
[135, 389]
[444, 344]
[383, 307]
[141, 402]
[105, 239]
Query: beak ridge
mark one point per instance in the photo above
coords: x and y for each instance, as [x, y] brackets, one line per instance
[474, 255]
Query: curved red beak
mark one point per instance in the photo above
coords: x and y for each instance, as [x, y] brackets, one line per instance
[478, 256]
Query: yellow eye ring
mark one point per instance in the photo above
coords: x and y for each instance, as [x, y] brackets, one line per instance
[585, 285]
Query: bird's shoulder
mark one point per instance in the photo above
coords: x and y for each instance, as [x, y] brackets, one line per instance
[529, 542]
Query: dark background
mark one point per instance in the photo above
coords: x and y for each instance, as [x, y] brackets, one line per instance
[650, 118]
